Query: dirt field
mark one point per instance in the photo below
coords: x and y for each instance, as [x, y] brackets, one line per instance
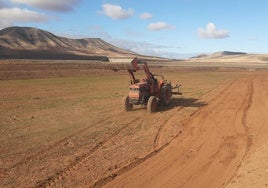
[71, 132]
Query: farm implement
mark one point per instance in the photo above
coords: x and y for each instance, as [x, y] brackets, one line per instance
[153, 90]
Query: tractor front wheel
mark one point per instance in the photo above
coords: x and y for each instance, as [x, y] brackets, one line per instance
[152, 104]
[126, 105]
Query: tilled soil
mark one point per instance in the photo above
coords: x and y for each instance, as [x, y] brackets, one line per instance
[214, 143]
[204, 142]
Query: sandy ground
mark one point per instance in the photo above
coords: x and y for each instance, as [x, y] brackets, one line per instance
[71, 132]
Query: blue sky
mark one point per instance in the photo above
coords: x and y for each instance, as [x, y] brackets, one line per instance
[170, 28]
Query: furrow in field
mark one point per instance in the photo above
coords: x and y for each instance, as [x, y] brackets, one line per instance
[79, 160]
[46, 151]
[218, 89]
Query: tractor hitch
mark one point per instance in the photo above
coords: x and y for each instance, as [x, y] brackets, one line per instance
[178, 89]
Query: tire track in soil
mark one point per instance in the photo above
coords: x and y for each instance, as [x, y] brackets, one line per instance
[266, 92]
[161, 129]
[244, 122]
[163, 125]
[58, 143]
[249, 141]
[103, 181]
[261, 82]
[41, 154]
[60, 174]
[45, 151]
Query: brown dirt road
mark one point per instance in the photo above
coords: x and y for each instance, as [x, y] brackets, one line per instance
[216, 146]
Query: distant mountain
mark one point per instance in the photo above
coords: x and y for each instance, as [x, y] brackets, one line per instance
[199, 56]
[27, 42]
[220, 54]
[227, 53]
[231, 58]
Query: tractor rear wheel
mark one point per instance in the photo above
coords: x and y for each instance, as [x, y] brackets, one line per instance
[166, 93]
[152, 104]
[126, 105]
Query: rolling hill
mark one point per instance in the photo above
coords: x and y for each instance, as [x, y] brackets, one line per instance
[218, 55]
[32, 43]
[230, 57]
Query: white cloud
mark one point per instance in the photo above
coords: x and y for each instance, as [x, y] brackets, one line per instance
[53, 5]
[211, 31]
[10, 16]
[116, 12]
[146, 16]
[158, 26]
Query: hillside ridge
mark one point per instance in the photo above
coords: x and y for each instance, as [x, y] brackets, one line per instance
[23, 40]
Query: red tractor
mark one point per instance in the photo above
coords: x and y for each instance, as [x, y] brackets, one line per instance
[148, 91]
